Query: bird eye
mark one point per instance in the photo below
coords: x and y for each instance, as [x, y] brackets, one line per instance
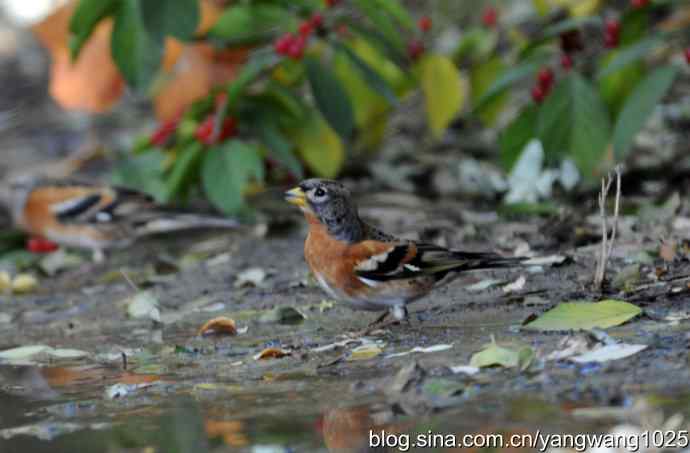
[319, 193]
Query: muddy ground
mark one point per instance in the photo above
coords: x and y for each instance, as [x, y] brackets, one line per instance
[211, 390]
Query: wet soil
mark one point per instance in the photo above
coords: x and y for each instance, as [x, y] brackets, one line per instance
[211, 391]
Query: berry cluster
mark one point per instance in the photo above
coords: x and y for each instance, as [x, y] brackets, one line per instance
[639, 3]
[293, 45]
[204, 133]
[545, 79]
[415, 47]
[687, 55]
[612, 31]
[161, 136]
[41, 245]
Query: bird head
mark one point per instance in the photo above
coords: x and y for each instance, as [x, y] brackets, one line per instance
[330, 203]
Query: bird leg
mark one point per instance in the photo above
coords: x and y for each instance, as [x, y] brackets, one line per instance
[399, 314]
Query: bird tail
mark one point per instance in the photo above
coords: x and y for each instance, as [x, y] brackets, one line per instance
[460, 261]
[165, 222]
[489, 260]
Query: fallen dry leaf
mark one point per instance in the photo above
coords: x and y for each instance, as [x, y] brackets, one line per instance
[24, 283]
[272, 353]
[219, 325]
[92, 83]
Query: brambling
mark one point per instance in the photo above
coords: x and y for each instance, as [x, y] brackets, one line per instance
[93, 216]
[368, 269]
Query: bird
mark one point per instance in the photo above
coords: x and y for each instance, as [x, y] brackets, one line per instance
[93, 216]
[366, 268]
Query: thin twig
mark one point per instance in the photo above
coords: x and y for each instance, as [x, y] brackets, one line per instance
[129, 280]
[606, 242]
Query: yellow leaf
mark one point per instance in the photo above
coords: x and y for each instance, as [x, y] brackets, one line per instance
[444, 89]
[578, 8]
[319, 147]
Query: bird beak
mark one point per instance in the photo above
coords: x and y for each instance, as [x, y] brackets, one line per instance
[296, 196]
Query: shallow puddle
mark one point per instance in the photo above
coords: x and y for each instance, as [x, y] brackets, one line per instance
[64, 409]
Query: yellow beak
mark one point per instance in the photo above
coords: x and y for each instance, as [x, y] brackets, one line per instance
[296, 196]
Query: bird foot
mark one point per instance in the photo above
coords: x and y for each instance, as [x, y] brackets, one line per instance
[400, 315]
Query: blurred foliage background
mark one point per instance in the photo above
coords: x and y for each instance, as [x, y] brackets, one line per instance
[506, 100]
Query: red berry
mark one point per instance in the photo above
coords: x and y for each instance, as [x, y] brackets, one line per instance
[424, 23]
[296, 49]
[228, 130]
[161, 135]
[490, 17]
[613, 26]
[282, 44]
[332, 3]
[306, 28]
[538, 94]
[317, 20]
[204, 133]
[41, 245]
[545, 78]
[639, 3]
[610, 41]
[415, 49]
[566, 61]
[612, 31]
[687, 55]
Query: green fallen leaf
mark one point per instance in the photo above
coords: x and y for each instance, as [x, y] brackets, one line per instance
[508, 357]
[585, 315]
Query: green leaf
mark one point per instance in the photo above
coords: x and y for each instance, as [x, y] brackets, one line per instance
[382, 44]
[570, 24]
[226, 172]
[331, 98]
[482, 76]
[249, 23]
[178, 18]
[136, 52]
[381, 21]
[444, 91]
[507, 357]
[319, 147]
[617, 86]
[517, 134]
[259, 62]
[574, 122]
[505, 81]
[639, 105]
[184, 171]
[377, 83]
[476, 44]
[87, 15]
[585, 315]
[143, 172]
[279, 147]
[395, 9]
[629, 55]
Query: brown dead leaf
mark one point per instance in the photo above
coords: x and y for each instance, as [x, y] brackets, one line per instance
[196, 71]
[272, 353]
[219, 325]
[92, 83]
